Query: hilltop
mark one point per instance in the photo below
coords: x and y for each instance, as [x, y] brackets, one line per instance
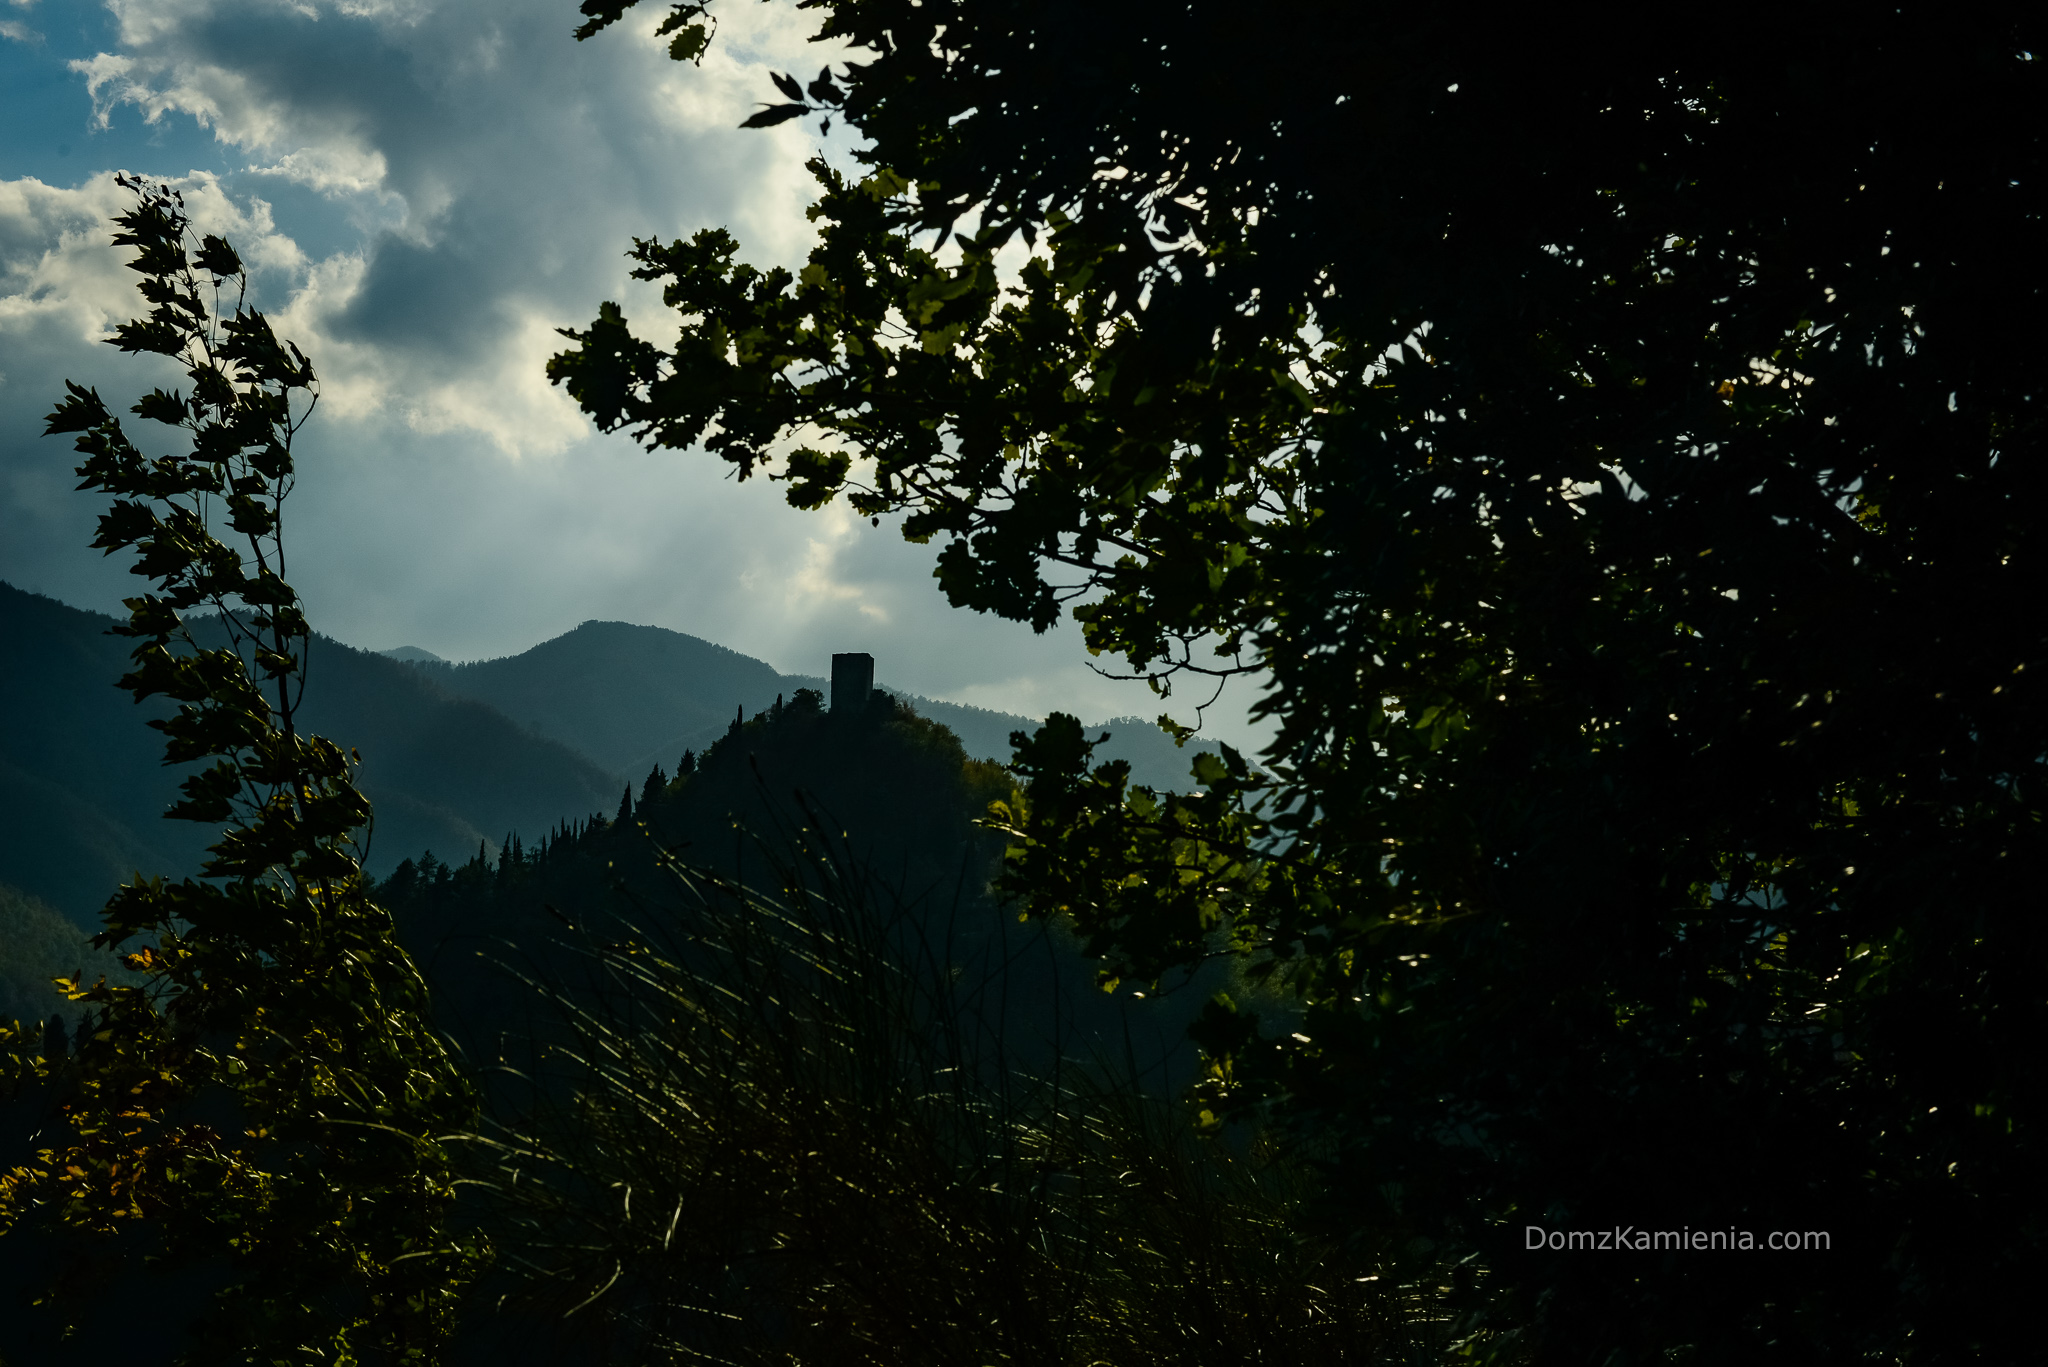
[632, 697]
[456, 757]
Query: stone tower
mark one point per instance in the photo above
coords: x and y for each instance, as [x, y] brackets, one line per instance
[853, 678]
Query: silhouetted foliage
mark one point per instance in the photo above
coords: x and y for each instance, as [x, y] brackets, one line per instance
[1620, 446]
[265, 1096]
[895, 789]
[791, 1128]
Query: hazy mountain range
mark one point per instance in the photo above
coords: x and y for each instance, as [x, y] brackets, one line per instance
[632, 697]
[454, 755]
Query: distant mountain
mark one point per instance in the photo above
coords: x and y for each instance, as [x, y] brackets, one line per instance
[454, 754]
[83, 786]
[616, 691]
[632, 697]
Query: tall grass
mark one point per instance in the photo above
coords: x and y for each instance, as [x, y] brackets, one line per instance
[799, 1128]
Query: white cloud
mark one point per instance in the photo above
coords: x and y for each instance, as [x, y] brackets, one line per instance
[16, 30]
[58, 266]
[336, 172]
[493, 169]
[812, 585]
[427, 189]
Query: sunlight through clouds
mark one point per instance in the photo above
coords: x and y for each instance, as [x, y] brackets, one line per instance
[427, 190]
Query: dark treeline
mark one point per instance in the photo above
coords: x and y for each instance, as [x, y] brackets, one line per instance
[884, 791]
[772, 1073]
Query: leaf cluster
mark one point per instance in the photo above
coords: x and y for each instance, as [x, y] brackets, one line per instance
[264, 1092]
[1620, 453]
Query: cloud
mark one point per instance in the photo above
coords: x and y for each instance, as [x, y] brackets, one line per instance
[16, 30]
[427, 189]
[494, 169]
[65, 284]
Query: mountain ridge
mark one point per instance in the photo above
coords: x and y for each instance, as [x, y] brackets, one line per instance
[83, 785]
[456, 756]
[627, 729]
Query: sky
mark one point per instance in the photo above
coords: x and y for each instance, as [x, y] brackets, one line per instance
[426, 190]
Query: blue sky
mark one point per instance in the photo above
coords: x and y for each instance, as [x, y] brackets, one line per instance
[427, 188]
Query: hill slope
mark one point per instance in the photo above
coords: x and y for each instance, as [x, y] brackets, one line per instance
[83, 786]
[890, 797]
[454, 755]
[615, 691]
[38, 943]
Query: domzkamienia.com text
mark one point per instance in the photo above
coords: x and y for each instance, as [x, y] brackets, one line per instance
[1629, 1239]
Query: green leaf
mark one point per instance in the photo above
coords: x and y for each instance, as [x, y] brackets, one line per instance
[774, 114]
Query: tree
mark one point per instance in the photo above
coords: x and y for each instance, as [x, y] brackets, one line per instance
[1619, 452]
[266, 1095]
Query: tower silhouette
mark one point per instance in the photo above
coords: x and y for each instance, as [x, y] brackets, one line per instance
[853, 678]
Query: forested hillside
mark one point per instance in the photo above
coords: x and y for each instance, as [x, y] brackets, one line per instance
[38, 942]
[81, 778]
[453, 755]
[887, 792]
[656, 1042]
[82, 785]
